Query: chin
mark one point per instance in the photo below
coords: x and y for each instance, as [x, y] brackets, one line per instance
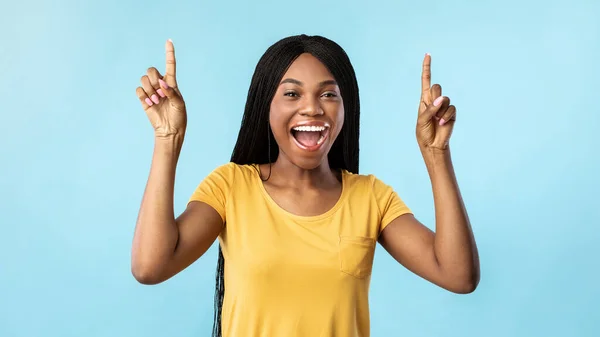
[308, 163]
[307, 159]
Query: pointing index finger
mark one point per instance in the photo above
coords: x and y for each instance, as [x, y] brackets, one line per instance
[426, 74]
[170, 71]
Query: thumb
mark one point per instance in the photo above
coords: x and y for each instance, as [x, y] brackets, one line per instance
[432, 109]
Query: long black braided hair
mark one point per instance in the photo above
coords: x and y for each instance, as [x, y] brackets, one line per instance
[256, 143]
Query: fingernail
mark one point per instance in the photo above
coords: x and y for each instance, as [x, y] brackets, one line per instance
[155, 99]
[170, 40]
[160, 93]
[148, 101]
[442, 121]
[163, 84]
[438, 101]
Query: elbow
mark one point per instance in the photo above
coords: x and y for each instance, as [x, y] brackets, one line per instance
[146, 275]
[467, 285]
[466, 288]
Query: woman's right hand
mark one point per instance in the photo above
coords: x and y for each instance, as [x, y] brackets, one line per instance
[162, 100]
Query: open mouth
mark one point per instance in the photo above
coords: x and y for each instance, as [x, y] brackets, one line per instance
[310, 137]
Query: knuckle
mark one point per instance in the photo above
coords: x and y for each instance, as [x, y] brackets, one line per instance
[450, 114]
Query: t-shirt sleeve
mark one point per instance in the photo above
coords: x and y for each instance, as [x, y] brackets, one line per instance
[389, 203]
[215, 189]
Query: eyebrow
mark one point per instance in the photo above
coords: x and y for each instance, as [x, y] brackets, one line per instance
[296, 82]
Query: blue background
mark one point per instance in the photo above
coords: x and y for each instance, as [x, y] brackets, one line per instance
[76, 148]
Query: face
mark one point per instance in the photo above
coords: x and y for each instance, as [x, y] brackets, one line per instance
[307, 113]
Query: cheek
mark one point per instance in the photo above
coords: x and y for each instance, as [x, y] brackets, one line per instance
[341, 114]
[339, 120]
[281, 113]
[277, 122]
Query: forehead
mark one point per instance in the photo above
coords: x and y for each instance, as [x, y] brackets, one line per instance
[307, 68]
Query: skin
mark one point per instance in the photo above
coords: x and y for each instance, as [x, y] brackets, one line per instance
[162, 244]
[447, 257]
[301, 182]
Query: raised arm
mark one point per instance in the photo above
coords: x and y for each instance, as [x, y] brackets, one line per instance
[162, 245]
[447, 257]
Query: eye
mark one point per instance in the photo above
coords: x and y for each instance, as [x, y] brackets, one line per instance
[290, 93]
[330, 94]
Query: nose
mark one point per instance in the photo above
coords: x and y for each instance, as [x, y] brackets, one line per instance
[310, 108]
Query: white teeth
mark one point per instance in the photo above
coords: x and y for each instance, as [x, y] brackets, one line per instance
[320, 140]
[310, 128]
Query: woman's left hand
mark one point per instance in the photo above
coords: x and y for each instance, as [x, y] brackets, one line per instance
[436, 115]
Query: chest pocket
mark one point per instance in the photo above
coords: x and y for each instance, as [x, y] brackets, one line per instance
[356, 255]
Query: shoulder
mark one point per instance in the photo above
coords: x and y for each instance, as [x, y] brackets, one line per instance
[364, 182]
[388, 203]
[220, 182]
[228, 175]
[231, 170]
[370, 186]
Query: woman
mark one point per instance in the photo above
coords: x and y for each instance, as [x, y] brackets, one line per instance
[296, 222]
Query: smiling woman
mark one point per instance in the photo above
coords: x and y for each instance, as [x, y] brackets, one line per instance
[307, 112]
[296, 222]
[309, 135]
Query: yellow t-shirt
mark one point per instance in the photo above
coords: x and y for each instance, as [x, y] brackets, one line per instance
[289, 275]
